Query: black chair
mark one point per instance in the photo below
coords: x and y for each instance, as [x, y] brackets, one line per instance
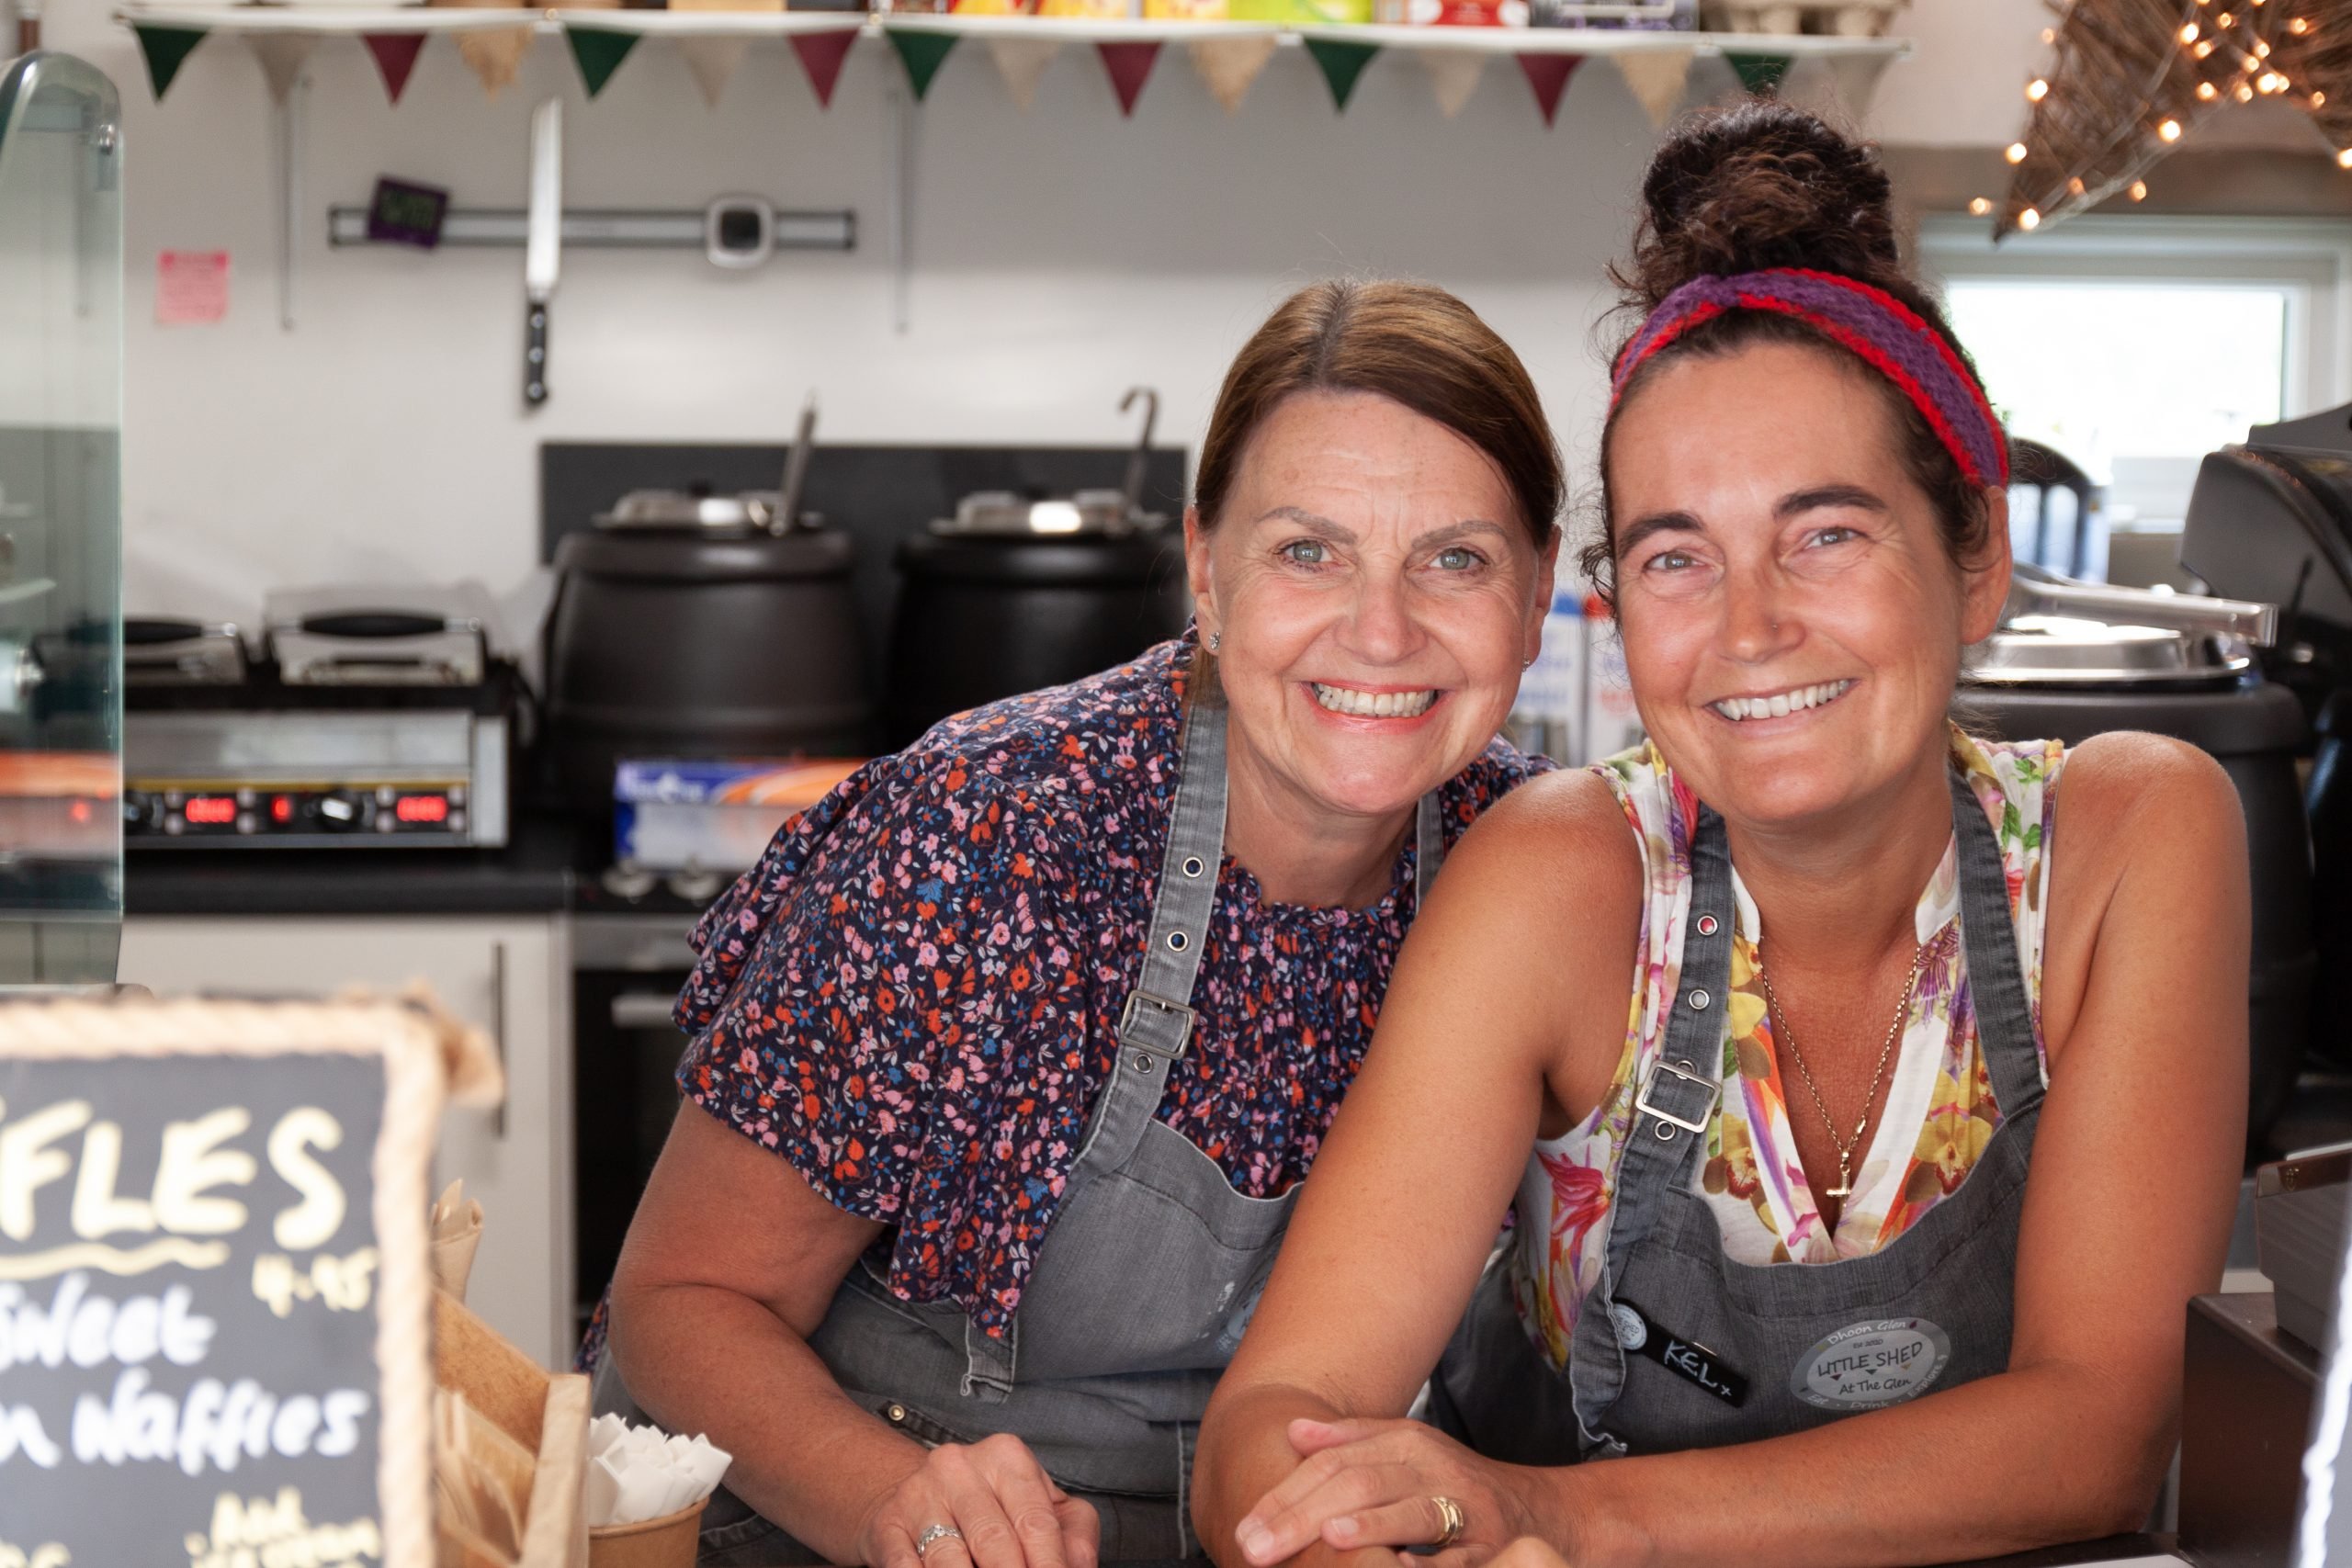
[2044, 470]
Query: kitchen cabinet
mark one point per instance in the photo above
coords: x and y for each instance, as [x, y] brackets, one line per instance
[511, 976]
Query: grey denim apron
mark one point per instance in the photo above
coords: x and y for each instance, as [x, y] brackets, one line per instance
[1677, 1347]
[1142, 1287]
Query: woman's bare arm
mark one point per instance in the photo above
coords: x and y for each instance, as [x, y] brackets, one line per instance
[1535, 913]
[729, 1266]
[2126, 1217]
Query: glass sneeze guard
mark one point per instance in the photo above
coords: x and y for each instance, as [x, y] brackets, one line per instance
[61, 546]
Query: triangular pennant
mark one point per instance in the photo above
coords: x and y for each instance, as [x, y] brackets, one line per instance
[1454, 74]
[1856, 79]
[282, 57]
[495, 56]
[1021, 62]
[1548, 75]
[599, 53]
[1341, 64]
[923, 54]
[711, 61]
[1229, 65]
[1129, 66]
[1759, 73]
[1656, 77]
[822, 55]
[166, 50]
[395, 58]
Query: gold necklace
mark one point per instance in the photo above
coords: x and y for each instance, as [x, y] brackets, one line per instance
[1846, 1146]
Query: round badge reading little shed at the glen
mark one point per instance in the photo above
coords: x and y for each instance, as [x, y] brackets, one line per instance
[1866, 1366]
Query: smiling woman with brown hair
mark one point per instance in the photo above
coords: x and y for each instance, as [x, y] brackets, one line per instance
[1862, 1230]
[1010, 1055]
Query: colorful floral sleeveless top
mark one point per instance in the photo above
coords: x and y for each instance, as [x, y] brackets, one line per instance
[914, 996]
[1939, 1109]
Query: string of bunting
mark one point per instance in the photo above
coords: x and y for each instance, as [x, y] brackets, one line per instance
[2131, 78]
[1227, 60]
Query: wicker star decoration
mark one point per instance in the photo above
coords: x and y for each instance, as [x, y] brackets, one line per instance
[2131, 76]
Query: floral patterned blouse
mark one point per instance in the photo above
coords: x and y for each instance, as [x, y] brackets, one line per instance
[1939, 1108]
[913, 995]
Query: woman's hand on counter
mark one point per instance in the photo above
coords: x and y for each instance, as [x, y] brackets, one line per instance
[1374, 1483]
[1009, 1511]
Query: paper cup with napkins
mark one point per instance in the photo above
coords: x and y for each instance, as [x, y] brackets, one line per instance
[645, 1494]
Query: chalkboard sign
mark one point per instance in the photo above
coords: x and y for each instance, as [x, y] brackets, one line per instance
[214, 1290]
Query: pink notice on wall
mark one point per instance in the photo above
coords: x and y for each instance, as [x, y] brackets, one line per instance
[191, 288]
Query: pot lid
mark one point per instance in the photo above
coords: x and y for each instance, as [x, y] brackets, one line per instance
[2069, 650]
[750, 511]
[1103, 514]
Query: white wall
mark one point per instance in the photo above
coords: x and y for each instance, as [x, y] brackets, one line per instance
[1061, 257]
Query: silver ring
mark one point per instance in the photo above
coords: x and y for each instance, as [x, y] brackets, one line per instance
[1451, 1522]
[934, 1535]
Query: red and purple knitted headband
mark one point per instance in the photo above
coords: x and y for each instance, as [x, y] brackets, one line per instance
[1887, 334]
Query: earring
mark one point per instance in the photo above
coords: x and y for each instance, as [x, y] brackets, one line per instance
[1216, 640]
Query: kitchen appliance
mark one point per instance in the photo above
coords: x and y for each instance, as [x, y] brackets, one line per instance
[2073, 660]
[542, 244]
[2299, 1223]
[708, 818]
[371, 720]
[1015, 593]
[696, 626]
[2271, 519]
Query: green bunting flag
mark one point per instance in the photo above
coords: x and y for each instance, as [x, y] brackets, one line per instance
[599, 53]
[923, 54]
[1759, 73]
[166, 50]
[1342, 64]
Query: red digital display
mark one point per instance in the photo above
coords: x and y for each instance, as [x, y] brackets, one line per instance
[423, 809]
[281, 809]
[211, 810]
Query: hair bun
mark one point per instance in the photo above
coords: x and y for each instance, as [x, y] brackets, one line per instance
[1755, 186]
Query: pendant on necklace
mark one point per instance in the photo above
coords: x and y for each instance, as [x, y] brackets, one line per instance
[1845, 1187]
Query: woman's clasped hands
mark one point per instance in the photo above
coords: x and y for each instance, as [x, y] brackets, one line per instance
[986, 1504]
[1394, 1487]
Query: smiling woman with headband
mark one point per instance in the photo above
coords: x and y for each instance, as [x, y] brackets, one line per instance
[1862, 1231]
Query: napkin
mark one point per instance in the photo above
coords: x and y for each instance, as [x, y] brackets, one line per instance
[456, 1225]
[642, 1472]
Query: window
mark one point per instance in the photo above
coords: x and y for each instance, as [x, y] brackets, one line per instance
[2136, 345]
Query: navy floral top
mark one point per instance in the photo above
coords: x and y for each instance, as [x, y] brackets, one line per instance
[914, 994]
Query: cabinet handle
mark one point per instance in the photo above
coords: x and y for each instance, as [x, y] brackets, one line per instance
[498, 1034]
[644, 1010]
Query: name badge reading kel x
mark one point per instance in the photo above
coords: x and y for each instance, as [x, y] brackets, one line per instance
[1685, 1359]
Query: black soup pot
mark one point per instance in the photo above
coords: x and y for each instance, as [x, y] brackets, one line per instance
[696, 643]
[986, 617]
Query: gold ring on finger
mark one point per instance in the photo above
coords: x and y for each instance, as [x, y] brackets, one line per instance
[1450, 1520]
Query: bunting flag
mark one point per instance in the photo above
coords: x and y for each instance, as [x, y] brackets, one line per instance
[1341, 64]
[1547, 77]
[923, 54]
[1228, 65]
[711, 61]
[599, 52]
[395, 58]
[822, 55]
[1759, 73]
[166, 50]
[1021, 62]
[1129, 66]
[1854, 77]
[1454, 74]
[495, 56]
[282, 57]
[1657, 77]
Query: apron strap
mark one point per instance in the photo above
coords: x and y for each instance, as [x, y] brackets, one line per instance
[1429, 848]
[1988, 936]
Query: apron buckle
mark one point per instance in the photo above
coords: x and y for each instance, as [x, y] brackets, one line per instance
[1705, 1106]
[1153, 1024]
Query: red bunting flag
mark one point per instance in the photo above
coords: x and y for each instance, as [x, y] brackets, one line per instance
[395, 58]
[822, 55]
[1130, 67]
[1548, 75]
